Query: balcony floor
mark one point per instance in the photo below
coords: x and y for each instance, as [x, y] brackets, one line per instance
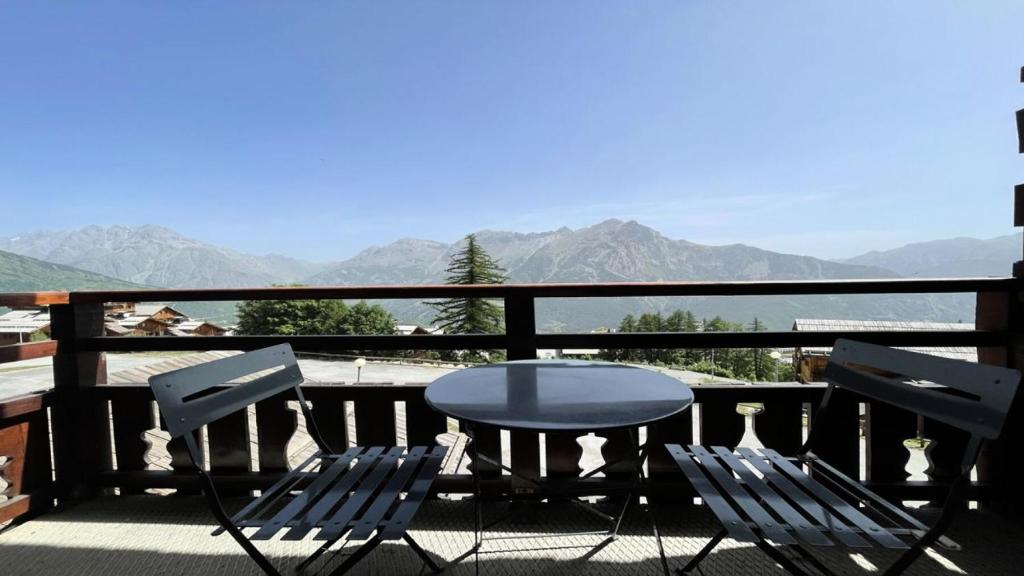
[169, 535]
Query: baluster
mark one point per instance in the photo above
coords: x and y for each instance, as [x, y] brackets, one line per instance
[721, 424]
[132, 417]
[331, 418]
[24, 443]
[944, 453]
[886, 427]
[229, 446]
[487, 441]
[780, 426]
[838, 441]
[562, 452]
[423, 424]
[662, 467]
[375, 420]
[621, 449]
[275, 425]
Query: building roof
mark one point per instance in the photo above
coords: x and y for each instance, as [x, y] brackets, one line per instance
[151, 309]
[967, 353]
[192, 325]
[133, 321]
[24, 321]
[115, 328]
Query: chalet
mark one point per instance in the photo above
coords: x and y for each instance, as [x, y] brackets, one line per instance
[24, 325]
[199, 328]
[160, 312]
[144, 326]
[415, 329]
[809, 361]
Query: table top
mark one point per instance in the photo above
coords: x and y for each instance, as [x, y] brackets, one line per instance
[558, 395]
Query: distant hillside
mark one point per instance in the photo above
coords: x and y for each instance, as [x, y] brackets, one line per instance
[610, 251]
[615, 251]
[951, 258]
[157, 256]
[23, 274]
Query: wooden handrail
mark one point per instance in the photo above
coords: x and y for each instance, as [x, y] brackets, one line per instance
[783, 339]
[575, 290]
[33, 298]
[27, 351]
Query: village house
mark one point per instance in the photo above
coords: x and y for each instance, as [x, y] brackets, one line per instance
[809, 361]
[24, 325]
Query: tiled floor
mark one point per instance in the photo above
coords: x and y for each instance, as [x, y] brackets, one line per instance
[170, 535]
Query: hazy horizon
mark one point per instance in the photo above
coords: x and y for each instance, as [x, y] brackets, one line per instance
[4, 235]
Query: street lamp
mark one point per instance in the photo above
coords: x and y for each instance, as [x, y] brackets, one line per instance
[775, 355]
[360, 362]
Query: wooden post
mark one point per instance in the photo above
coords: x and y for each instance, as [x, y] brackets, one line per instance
[521, 330]
[81, 426]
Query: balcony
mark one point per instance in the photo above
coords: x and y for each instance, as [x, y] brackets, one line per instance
[89, 491]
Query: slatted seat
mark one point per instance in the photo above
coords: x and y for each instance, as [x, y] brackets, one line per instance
[364, 493]
[762, 497]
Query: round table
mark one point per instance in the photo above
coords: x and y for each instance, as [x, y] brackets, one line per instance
[558, 395]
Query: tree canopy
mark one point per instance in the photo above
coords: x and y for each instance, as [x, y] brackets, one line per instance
[753, 364]
[471, 265]
[309, 317]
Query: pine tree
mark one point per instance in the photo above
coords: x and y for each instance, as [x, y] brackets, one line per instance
[471, 265]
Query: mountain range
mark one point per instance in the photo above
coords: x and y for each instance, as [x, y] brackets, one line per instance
[609, 251]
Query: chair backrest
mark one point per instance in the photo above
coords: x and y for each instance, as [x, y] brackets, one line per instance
[188, 398]
[972, 397]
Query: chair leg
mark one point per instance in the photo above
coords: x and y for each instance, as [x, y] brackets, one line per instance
[781, 558]
[301, 567]
[906, 559]
[422, 554]
[692, 564]
[352, 559]
[818, 564]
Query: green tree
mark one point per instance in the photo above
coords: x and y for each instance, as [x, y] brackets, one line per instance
[311, 317]
[290, 317]
[362, 318]
[471, 265]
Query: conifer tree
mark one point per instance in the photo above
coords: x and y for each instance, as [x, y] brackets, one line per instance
[471, 265]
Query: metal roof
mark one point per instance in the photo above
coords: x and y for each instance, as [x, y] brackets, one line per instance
[967, 353]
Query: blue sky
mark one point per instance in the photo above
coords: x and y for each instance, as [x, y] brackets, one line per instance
[315, 130]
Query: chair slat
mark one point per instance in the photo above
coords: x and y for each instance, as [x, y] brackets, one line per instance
[279, 488]
[399, 521]
[811, 507]
[307, 496]
[798, 522]
[842, 507]
[337, 491]
[731, 521]
[768, 525]
[337, 524]
[370, 519]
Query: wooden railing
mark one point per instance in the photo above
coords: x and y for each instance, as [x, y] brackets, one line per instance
[82, 406]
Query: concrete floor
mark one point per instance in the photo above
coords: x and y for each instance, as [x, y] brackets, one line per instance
[170, 536]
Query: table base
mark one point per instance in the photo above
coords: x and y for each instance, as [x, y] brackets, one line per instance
[550, 492]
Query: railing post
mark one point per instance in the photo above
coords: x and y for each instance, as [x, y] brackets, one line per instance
[81, 427]
[521, 331]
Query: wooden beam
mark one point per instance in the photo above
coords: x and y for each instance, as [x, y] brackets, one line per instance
[27, 351]
[21, 405]
[13, 299]
[24, 506]
[576, 290]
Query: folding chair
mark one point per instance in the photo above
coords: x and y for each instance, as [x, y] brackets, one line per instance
[355, 494]
[761, 496]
